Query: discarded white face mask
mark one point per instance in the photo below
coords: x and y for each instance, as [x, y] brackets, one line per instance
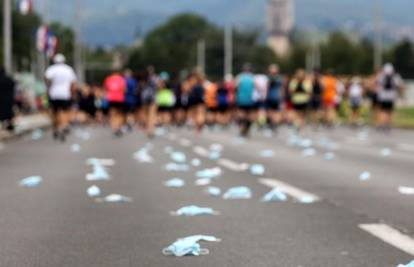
[329, 156]
[257, 169]
[168, 149]
[214, 155]
[209, 173]
[386, 152]
[94, 191]
[213, 191]
[178, 157]
[202, 182]
[365, 176]
[75, 148]
[175, 182]
[32, 181]
[267, 154]
[241, 192]
[115, 198]
[99, 174]
[406, 190]
[177, 167]
[411, 264]
[189, 246]
[274, 195]
[194, 211]
[37, 134]
[143, 156]
[309, 152]
[196, 162]
[216, 147]
[307, 200]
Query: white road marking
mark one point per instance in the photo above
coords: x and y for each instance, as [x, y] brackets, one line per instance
[390, 236]
[294, 192]
[185, 142]
[234, 166]
[406, 147]
[201, 151]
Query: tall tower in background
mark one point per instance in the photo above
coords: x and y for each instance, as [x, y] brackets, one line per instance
[280, 23]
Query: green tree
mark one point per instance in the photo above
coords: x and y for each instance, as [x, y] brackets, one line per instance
[402, 56]
[66, 38]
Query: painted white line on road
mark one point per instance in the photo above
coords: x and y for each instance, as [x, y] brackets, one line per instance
[390, 236]
[294, 192]
[406, 147]
[185, 142]
[201, 151]
[234, 166]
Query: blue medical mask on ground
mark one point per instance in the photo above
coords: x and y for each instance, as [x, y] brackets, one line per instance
[365, 176]
[143, 156]
[194, 211]
[209, 173]
[115, 198]
[411, 264]
[75, 148]
[177, 167]
[386, 152]
[274, 195]
[329, 156]
[99, 173]
[189, 246]
[213, 191]
[240, 192]
[267, 154]
[94, 191]
[175, 182]
[32, 181]
[178, 157]
[257, 169]
[307, 200]
[196, 162]
[309, 152]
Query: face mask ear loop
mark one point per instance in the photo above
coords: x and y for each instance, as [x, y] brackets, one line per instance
[167, 252]
[204, 251]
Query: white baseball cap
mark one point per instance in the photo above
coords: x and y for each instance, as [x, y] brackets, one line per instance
[59, 59]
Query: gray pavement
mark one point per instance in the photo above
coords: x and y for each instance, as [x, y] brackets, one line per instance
[57, 224]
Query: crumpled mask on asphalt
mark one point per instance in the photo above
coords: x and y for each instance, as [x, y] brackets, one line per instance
[307, 200]
[32, 181]
[329, 156]
[267, 154]
[94, 191]
[178, 157]
[216, 147]
[177, 167]
[99, 174]
[214, 155]
[116, 198]
[257, 169]
[194, 211]
[240, 192]
[196, 162]
[213, 191]
[143, 156]
[405, 190]
[274, 195]
[37, 134]
[411, 264]
[175, 182]
[202, 182]
[386, 152]
[75, 148]
[209, 173]
[189, 246]
[365, 176]
[309, 152]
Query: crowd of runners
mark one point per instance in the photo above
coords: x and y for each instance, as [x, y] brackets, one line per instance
[129, 100]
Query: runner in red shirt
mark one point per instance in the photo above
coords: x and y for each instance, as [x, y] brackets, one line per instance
[115, 86]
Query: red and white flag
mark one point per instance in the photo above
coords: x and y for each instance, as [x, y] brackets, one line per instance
[25, 6]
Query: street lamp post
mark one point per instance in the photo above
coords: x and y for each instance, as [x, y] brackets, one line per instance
[7, 36]
[228, 50]
[378, 34]
[201, 55]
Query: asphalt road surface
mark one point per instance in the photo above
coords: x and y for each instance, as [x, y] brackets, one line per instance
[350, 222]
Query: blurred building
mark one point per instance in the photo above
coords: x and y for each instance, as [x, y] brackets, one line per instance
[280, 23]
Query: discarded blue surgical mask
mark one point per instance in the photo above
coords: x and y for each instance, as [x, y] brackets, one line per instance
[386, 152]
[202, 182]
[216, 147]
[160, 131]
[94, 191]
[189, 246]
[196, 162]
[75, 148]
[175, 182]
[32, 181]
[99, 174]
[365, 176]
[305, 143]
[238, 141]
[178, 157]
[267, 154]
[115, 198]
[209, 173]
[275, 195]
[309, 152]
[257, 169]
[241, 192]
[214, 155]
[213, 191]
[37, 134]
[177, 167]
[143, 156]
[307, 200]
[411, 264]
[329, 156]
[194, 211]
[406, 190]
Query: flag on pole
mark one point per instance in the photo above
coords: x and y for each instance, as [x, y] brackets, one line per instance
[25, 6]
[42, 38]
[52, 43]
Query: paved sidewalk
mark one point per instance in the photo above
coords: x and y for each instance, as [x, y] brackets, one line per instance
[26, 124]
